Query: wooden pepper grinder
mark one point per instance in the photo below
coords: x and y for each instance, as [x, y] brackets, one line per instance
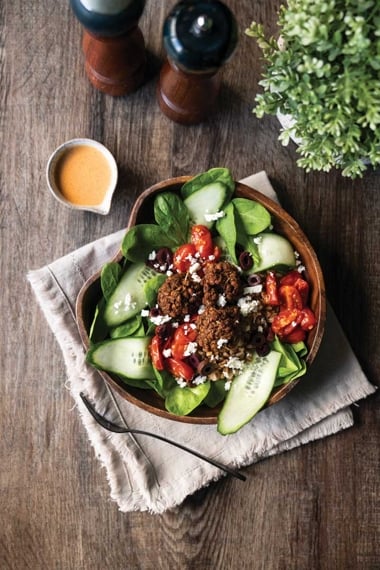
[113, 44]
[199, 37]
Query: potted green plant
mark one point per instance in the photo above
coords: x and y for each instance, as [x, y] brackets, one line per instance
[324, 74]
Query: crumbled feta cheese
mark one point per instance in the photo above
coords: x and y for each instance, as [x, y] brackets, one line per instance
[247, 305]
[214, 217]
[187, 318]
[227, 385]
[160, 319]
[201, 309]
[152, 256]
[221, 302]
[199, 380]
[169, 272]
[197, 278]
[190, 349]
[220, 342]
[181, 382]
[167, 352]
[145, 313]
[301, 268]
[194, 267]
[234, 363]
[257, 240]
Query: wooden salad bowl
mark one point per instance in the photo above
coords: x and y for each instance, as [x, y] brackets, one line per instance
[283, 223]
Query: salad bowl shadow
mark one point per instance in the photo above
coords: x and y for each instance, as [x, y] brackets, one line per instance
[283, 223]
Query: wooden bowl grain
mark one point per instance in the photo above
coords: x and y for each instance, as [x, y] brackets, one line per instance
[284, 224]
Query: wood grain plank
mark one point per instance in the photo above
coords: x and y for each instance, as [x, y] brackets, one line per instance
[316, 507]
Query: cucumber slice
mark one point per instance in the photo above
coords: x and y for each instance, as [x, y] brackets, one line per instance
[249, 391]
[128, 357]
[206, 201]
[274, 251]
[129, 297]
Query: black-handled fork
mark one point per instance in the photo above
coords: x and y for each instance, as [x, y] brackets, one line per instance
[110, 426]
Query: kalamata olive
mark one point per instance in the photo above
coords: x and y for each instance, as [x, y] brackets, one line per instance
[154, 312]
[193, 360]
[164, 256]
[245, 260]
[164, 331]
[253, 279]
[204, 367]
[258, 339]
[263, 350]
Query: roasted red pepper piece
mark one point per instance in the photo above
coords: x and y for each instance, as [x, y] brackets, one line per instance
[294, 278]
[179, 369]
[183, 335]
[297, 335]
[290, 297]
[155, 351]
[270, 295]
[308, 320]
[285, 321]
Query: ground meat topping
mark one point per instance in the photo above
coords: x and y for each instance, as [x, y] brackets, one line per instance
[219, 330]
[179, 296]
[222, 284]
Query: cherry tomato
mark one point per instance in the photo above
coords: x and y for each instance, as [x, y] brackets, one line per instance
[308, 320]
[294, 278]
[290, 297]
[183, 335]
[270, 294]
[156, 353]
[202, 239]
[179, 369]
[183, 257]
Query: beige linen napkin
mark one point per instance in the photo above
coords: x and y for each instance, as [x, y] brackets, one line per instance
[148, 475]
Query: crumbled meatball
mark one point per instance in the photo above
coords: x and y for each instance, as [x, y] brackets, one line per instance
[222, 284]
[219, 329]
[179, 295]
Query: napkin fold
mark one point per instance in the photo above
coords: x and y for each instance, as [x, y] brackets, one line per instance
[149, 475]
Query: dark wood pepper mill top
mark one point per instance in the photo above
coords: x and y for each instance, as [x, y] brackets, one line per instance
[199, 37]
[113, 44]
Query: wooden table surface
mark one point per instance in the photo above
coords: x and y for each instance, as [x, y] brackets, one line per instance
[316, 507]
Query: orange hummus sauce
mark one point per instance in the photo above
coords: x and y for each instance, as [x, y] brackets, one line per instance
[83, 175]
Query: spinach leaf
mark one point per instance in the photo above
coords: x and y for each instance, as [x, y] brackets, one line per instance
[233, 232]
[172, 216]
[99, 328]
[109, 278]
[254, 217]
[140, 240]
[182, 401]
[152, 286]
[222, 175]
[291, 366]
[217, 393]
[129, 328]
[164, 382]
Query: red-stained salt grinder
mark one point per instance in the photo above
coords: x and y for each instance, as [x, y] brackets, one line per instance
[113, 44]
